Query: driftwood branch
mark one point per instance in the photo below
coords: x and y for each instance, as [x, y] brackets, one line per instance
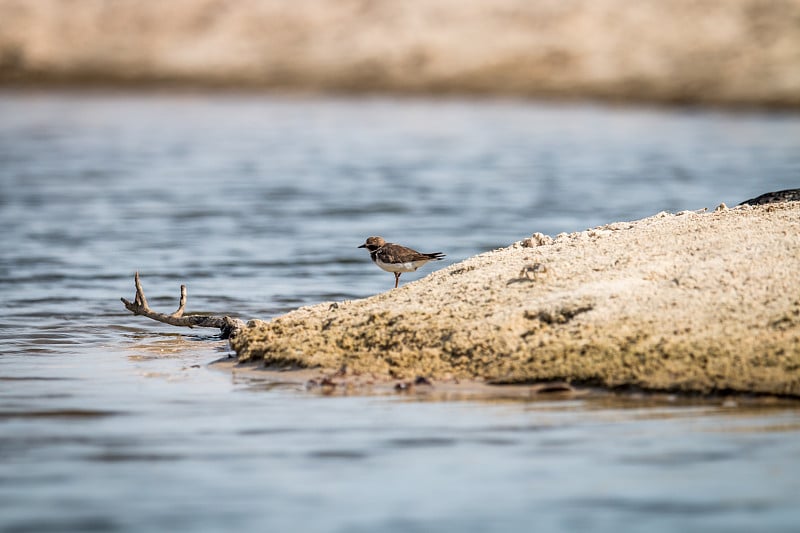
[227, 325]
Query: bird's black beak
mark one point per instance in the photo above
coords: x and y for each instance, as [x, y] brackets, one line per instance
[363, 246]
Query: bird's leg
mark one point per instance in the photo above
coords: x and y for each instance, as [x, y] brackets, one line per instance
[396, 279]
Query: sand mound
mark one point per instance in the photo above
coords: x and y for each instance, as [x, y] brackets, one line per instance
[693, 302]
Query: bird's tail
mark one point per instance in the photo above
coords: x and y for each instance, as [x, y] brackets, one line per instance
[438, 256]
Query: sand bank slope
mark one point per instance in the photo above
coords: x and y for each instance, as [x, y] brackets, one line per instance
[693, 302]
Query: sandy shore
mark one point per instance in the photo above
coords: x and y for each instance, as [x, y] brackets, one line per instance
[693, 302]
[729, 52]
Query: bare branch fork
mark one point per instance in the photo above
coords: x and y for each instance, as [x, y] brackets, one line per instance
[228, 326]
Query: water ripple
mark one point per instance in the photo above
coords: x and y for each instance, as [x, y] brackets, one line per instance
[257, 203]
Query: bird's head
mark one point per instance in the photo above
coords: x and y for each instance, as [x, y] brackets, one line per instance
[373, 243]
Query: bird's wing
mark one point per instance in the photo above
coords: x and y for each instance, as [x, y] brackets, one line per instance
[394, 253]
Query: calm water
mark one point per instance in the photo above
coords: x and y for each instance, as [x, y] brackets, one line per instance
[110, 422]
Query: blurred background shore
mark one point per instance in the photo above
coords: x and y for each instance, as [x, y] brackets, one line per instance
[719, 52]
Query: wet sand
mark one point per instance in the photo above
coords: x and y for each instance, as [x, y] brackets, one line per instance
[693, 302]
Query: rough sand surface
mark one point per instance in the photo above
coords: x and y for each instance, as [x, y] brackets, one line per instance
[693, 302]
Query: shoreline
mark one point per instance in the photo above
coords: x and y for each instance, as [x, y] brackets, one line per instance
[337, 384]
[693, 303]
[180, 87]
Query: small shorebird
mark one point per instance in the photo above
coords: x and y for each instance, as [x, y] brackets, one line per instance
[397, 259]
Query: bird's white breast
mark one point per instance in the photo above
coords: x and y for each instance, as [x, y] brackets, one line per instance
[410, 266]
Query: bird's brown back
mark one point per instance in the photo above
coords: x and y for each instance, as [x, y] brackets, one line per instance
[394, 253]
